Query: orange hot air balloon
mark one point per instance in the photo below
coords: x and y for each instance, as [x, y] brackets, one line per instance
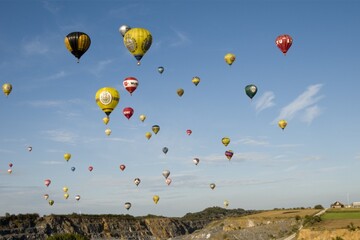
[128, 112]
[284, 42]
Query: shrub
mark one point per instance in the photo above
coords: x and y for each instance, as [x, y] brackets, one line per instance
[318, 207]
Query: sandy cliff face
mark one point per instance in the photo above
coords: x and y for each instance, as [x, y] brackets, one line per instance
[307, 234]
[95, 227]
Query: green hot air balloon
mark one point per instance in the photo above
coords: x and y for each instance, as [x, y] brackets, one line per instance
[251, 90]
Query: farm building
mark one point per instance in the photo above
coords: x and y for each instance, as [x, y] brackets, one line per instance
[337, 204]
[355, 205]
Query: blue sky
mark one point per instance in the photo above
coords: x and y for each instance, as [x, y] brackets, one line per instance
[52, 107]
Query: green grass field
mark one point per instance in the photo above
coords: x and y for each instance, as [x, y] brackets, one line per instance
[344, 213]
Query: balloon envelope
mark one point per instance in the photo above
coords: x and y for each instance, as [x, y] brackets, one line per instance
[229, 154]
[107, 99]
[106, 120]
[90, 168]
[212, 185]
[128, 112]
[195, 80]
[148, 135]
[65, 189]
[6, 88]
[46, 196]
[67, 156]
[142, 117]
[130, 84]
[77, 197]
[122, 167]
[127, 205]
[196, 161]
[156, 199]
[188, 132]
[165, 150]
[137, 181]
[284, 42]
[251, 90]
[108, 131]
[282, 124]
[66, 195]
[51, 202]
[166, 173]
[180, 92]
[168, 181]
[225, 141]
[47, 182]
[229, 58]
[123, 29]
[77, 43]
[138, 41]
[161, 70]
[73, 169]
[155, 128]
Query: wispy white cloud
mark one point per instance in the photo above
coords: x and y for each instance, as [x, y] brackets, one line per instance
[265, 101]
[51, 7]
[45, 103]
[180, 39]
[61, 136]
[304, 103]
[52, 162]
[35, 47]
[252, 141]
[100, 66]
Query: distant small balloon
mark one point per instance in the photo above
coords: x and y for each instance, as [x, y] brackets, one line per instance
[122, 167]
[168, 181]
[212, 185]
[166, 173]
[155, 128]
[106, 120]
[51, 202]
[161, 70]
[29, 149]
[188, 132]
[195, 80]
[7, 87]
[77, 197]
[165, 150]
[225, 141]
[123, 29]
[196, 161]
[108, 131]
[9, 170]
[46, 196]
[142, 117]
[148, 135]
[73, 169]
[137, 181]
[127, 205]
[180, 92]
[229, 154]
[67, 156]
[47, 182]
[10, 164]
[90, 168]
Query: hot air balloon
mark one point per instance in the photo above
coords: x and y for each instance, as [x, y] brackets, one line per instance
[9, 171]
[284, 42]
[77, 197]
[180, 92]
[188, 132]
[196, 161]
[29, 148]
[122, 167]
[123, 29]
[212, 185]
[51, 202]
[65, 189]
[137, 181]
[226, 203]
[47, 182]
[90, 168]
[107, 99]
[229, 154]
[148, 135]
[251, 90]
[138, 42]
[106, 120]
[46, 196]
[108, 131]
[10, 165]
[165, 150]
[77, 43]
[156, 198]
[6, 88]
[282, 124]
[195, 80]
[128, 112]
[155, 128]
[130, 84]
[230, 58]
[127, 205]
[142, 117]
[73, 169]
[225, 141]
[161, 70]
[67, 156]
[168, 181]
[66, 195]
[166, 173]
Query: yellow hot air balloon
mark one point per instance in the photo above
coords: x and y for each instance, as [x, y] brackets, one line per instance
[107, 99]
[138, 42]
[65, 189]
[156, 198]
[180, 92]
[67, 156]
[229, 58]
[148, 135]
[142, 117]
[108, 131]
[195, 80]
[51, 202]
[66, 195]
[156, 128]
[7, 87]
[225, 141]
[282, 124]
[106, 120]
[77, 43]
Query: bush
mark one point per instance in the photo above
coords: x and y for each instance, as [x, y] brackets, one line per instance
[310, 220]
[67, 236]
[318, 207]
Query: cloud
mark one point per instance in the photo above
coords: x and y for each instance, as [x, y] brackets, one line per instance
[35, 47]
[100, 66]
[61, 136]
[52, 162]
[51, 7]
[265, 101]
[46, 103]
[181, 39]
[252, 141]
[304, 103]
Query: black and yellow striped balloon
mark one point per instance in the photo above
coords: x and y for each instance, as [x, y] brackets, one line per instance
[77, 43]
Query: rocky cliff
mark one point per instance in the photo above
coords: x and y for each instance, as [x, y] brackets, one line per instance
[32, 226]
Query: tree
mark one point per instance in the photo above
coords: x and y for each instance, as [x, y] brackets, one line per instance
[319, 206]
